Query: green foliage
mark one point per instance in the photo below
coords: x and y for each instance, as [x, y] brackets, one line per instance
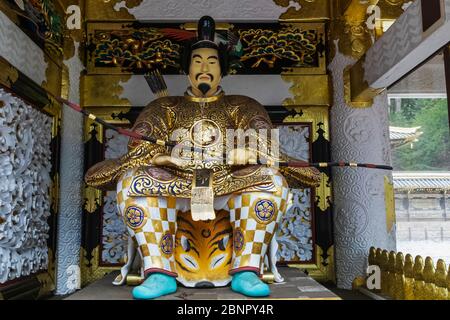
[432, 151]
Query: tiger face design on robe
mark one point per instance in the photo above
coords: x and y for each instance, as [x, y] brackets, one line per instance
[203, 250]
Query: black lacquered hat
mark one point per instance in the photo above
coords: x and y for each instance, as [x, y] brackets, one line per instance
[205, 33]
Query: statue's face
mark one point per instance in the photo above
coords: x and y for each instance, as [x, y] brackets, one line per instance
[204, 69]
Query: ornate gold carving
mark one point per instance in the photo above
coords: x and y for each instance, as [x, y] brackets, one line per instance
[322, 270]
[389, 203]
[148, 186]
[403, 278]
[134, 50]
[448, 283]
[47, 279]
[317, 116]
[441, 292]
[145, 183]
[65, 82]
[358, 282]
[383, 263]
[53, 76]
[203, 100]
[54, 109]
[419, 284]
[47, 284]
[103, 90]
[391, 274]
[111, 115]
[119, 48]
[309, 90]
[90, 269]
[54, 192]
[291, 43]
[317, 29]
[428, 278]
[90, 126]
[93, 199]
[47, 15]
[409, 277]
[323, 192]
[8, 74]
[349, 27]
[399, 277]
[301, 177]
[309, 10]
[104, 10]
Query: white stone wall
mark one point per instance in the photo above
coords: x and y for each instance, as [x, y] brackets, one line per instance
[269, 90]
[358, 135]
[25, 182]
[19, 50]
[183, 10]
[71, 186]
[114, 232]
[422, 217]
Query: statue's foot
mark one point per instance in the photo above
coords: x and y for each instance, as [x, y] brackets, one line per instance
[156, 285]
[249, 284]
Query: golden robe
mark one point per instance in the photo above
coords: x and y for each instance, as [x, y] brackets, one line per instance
[203, 123]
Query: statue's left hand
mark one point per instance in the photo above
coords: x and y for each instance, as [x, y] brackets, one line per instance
[168, 161]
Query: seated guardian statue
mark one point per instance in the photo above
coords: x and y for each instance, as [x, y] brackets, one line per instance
[156, 184]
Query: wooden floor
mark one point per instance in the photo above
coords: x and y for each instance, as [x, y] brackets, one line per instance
[297, 286]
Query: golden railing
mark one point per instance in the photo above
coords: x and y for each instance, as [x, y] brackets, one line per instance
[408, 278]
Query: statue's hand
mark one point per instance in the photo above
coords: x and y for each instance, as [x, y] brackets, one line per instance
[168, 161]
[241, 156]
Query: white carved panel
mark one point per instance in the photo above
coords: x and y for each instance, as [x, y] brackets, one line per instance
[25, 155]
[295, 230]
[294, 141]
[182, 10]
[114, 232]
[19, 50]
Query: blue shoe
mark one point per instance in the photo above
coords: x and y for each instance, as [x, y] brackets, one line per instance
[156, 285]
[249, 285]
